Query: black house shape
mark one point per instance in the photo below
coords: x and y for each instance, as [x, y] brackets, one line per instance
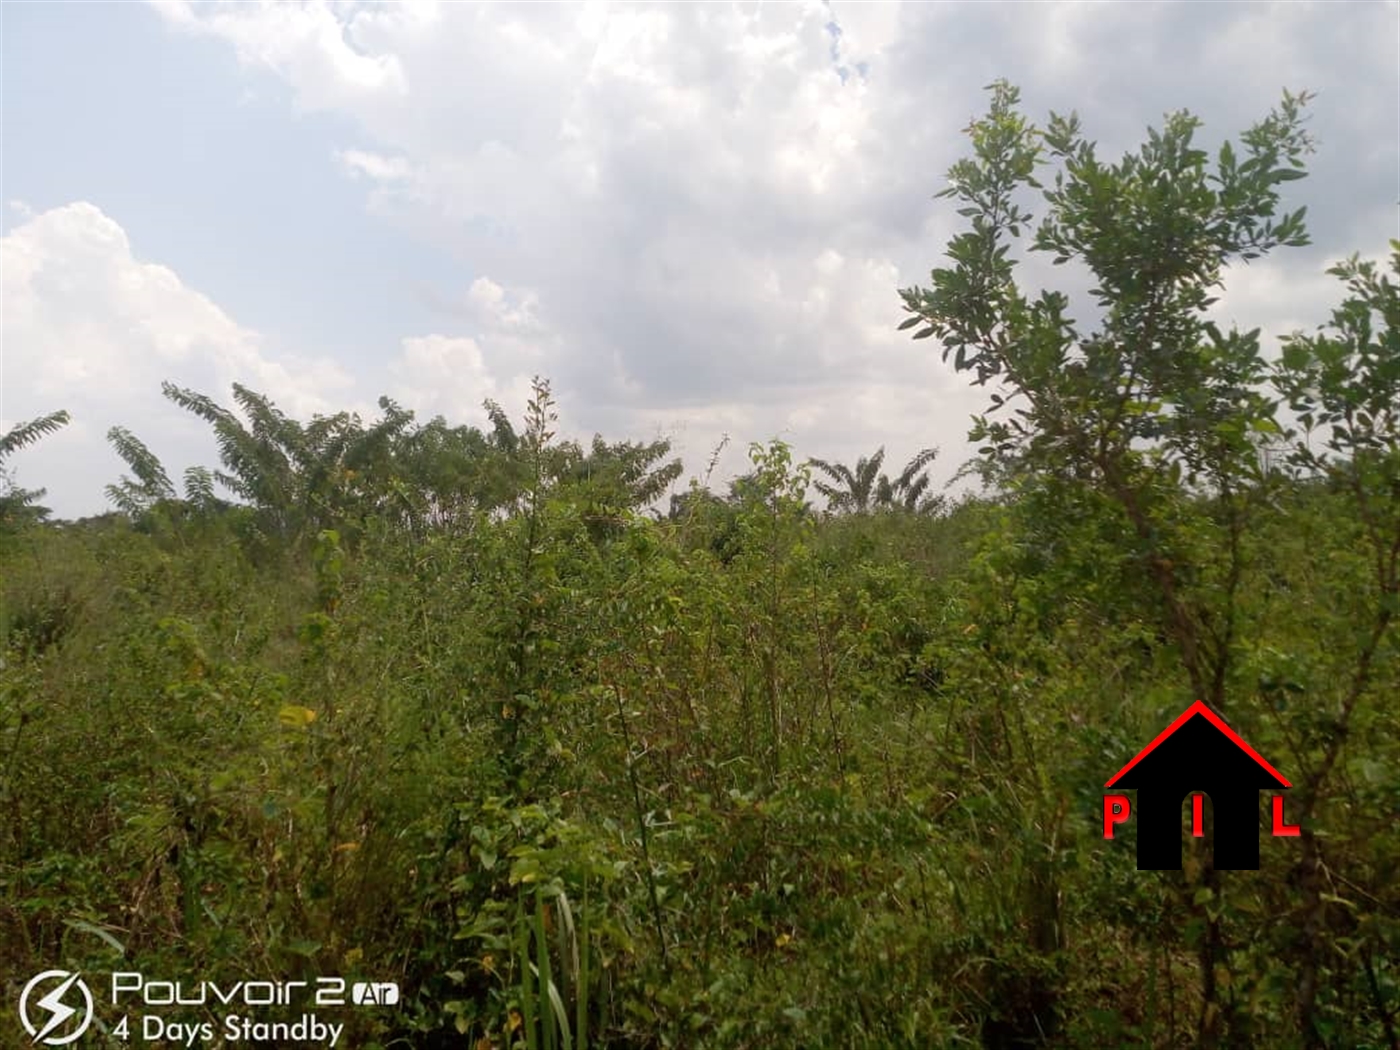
[1198, 752]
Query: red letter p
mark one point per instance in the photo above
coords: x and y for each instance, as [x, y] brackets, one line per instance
[1115, 811]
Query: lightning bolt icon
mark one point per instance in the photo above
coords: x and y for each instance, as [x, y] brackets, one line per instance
[54, 1004]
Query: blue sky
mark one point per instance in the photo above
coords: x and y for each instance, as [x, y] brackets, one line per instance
[209, 171]
[693, 218]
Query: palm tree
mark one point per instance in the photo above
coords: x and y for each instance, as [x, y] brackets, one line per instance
[909, 491]
[855, 490]
[864, 488]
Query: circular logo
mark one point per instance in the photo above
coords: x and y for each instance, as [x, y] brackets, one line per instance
[56, 1017]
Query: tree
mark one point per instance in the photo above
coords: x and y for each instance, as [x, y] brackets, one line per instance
[1156, 394]
[19, 505]
[863, 488]
[149, 497]
[258, 460]
[1344, 384]
[909, 491]
[334, 471]
[1147, 418]
[301, 478]
[855, 490]
[151, 485]
[623, 475]
[22, 434]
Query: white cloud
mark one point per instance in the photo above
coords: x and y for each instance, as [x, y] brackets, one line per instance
[308, 44]
[91, 328]
[451, 375]
[375, 165]
[714, 205]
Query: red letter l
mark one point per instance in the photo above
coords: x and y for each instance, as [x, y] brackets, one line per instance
[1280, 828]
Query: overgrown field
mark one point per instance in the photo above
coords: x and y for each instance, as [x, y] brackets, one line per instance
[835, 784]
[449, 708]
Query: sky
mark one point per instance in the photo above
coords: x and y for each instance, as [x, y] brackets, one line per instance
[694, 219]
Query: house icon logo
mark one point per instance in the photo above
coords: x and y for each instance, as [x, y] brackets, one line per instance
[1197, 755]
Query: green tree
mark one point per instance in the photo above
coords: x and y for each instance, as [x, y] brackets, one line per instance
[850, 489]
[863, 487]
[1155, 394]
[1343, 382]
[258, 459]
[622, 475]
[300, 478]
[1145, 420]
[910, 490]
[151, 484]
[19, 505]
[22, 434]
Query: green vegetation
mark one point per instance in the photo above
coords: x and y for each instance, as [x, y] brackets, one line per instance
[865, 487]
[449, 706]
[19, 506]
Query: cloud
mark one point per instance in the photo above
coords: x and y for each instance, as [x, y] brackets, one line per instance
[375, 166]
[451, 375]
[91, 328]
[714, 205]
[310, 45]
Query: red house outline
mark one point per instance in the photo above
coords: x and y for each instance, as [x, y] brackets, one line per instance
[1199, 708]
